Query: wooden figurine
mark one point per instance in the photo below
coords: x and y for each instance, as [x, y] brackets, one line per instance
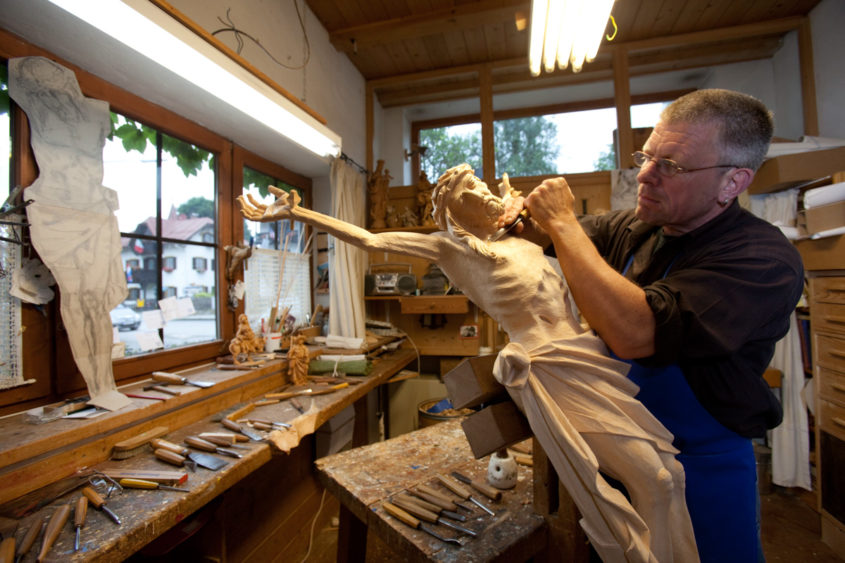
[578, 400]
[424, 204]
[298, 360]
[377, 187]
[245, 342]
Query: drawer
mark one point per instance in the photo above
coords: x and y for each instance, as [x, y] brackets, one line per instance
[829, 290]
[832, 386]
[832, 419]
[830, 352]
[829, 317]
[435, 304]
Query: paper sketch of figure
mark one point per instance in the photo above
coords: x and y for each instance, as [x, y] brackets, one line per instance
[72, 219]
[579, 402]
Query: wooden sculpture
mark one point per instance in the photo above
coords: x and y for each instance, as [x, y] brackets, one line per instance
[298, 360]
[578, 401]
[245, 341]
[424, 203]
[377, 185]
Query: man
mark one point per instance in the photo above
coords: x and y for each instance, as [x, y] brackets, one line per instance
[695, 291]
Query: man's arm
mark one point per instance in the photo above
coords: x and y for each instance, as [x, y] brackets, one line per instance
[287, 206]
[614, 307]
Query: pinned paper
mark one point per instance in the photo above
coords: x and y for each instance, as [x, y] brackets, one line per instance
[149, 340]
[153, 320]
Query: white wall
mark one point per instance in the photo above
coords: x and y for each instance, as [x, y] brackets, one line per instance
[828, 50]
[329, 84]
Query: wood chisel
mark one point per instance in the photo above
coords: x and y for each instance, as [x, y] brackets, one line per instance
[431, 507]
[7, 549]
[406, 518]
[151, 485]
[222, 439]
[29, 538]
[459, 490]
[165, 377]
[54, 528]
[447, 507]
[523, 215]
[425, 489]
[79, 519]
[428, 516]
[489, 491]
[99, 503]
[162, 389]
[251, 434]
[205, 445]
[162, 444]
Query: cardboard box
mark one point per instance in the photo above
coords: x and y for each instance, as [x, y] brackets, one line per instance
[824, 217]
[790, 170]
[336, 433]
[822, 254]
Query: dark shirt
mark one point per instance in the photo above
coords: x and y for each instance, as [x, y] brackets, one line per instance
[722, 296]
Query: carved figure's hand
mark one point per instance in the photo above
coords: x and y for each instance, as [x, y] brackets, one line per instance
[283, 208]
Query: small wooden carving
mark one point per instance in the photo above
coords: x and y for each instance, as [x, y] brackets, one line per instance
[245, 341]
[298, 360]
[377, 187]
[424, 204]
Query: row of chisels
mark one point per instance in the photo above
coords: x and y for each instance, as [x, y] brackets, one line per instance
[422, 505]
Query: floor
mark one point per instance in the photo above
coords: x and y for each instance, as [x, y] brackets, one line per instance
[791, 532]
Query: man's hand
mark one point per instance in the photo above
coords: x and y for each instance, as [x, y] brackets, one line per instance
[551, 204]
[513, 206]
[282, 208]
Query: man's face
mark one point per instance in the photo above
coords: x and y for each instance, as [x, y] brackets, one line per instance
[685, 201]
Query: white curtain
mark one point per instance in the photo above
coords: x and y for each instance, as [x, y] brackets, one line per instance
[347, 264]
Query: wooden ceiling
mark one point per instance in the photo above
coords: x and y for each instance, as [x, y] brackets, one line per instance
[418, 51]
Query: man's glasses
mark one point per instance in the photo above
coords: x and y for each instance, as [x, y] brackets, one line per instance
[668, 167]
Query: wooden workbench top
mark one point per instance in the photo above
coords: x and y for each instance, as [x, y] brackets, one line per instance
[364, 477]
[147, 514]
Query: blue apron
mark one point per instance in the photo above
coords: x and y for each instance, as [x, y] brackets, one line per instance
[720, 467]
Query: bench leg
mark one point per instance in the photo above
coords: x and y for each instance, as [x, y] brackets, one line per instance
[351, 538]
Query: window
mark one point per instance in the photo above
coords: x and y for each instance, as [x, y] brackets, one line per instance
[167, 215]
[200, 264]
[133, 263]
[450, 146]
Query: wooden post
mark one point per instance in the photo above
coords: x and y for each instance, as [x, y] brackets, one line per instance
[622, 98]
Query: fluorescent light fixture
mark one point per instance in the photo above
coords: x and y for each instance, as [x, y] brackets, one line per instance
[564, 32]
[155, 34]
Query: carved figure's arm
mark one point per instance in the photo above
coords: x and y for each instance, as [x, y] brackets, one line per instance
[286, 206]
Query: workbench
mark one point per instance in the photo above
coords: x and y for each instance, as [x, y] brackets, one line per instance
[363, 478]
[147, 514]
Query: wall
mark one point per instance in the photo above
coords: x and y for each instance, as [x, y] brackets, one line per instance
[329, 83]
[828, 46]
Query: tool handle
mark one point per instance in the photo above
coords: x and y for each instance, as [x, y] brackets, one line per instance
[54, 528]
[454, 486]
[415, 510]
[161, 444]
[262, 426]
[169, 457]
[220, 438]
[200, 444]
[7, 549]
[419, 502]
[487, 490]
[138, 484]
[231, 424]
[80, 511]
[165, 377]
[436, 500]
[434, 493]
[282, 396]
[163, 389]
[94, 497]
[29, 538]
[400, 514]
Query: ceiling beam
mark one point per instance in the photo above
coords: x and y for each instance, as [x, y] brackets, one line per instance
[445, 20]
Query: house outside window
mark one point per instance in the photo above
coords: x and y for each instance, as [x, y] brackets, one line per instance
[200, 264]
[168, 263]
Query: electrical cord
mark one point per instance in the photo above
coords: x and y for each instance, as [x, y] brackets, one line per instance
[314, 523]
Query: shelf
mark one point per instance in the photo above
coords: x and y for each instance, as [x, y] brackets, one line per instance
[427, 304]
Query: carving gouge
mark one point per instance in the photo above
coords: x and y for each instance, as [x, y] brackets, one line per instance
[200, 444]
[54, 528]
[426, 490]
[29, 539]
[144, 484]
[423, 514]
[483, 488]
[79, 519]
[7, 549]
[162, 444]
[251, 434]
[523, 215]
[99, 503]
[165, 377]
[430, 506]
[406, 518]
[459, 490]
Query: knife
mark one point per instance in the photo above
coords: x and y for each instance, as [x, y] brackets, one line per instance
[428, 516]
[483, 488]
[459, 490]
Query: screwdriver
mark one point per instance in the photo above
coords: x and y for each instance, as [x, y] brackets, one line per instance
[99, 503]
[79, 519]
[144, 484]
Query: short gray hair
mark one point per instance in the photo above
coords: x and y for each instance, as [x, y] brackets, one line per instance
[745, 124]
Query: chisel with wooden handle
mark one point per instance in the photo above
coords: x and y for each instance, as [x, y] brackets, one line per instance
[459, 490]
[489, 491]
[428, 516]
[162, 444]
[205, 445]
[430, 506]
[79, 519]
[425, 489]
[54, 528]
[409, 520]
[100, 503]
[151, 485]
[29, 539]
[7, 549]
[251, 434]
[165, 377]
